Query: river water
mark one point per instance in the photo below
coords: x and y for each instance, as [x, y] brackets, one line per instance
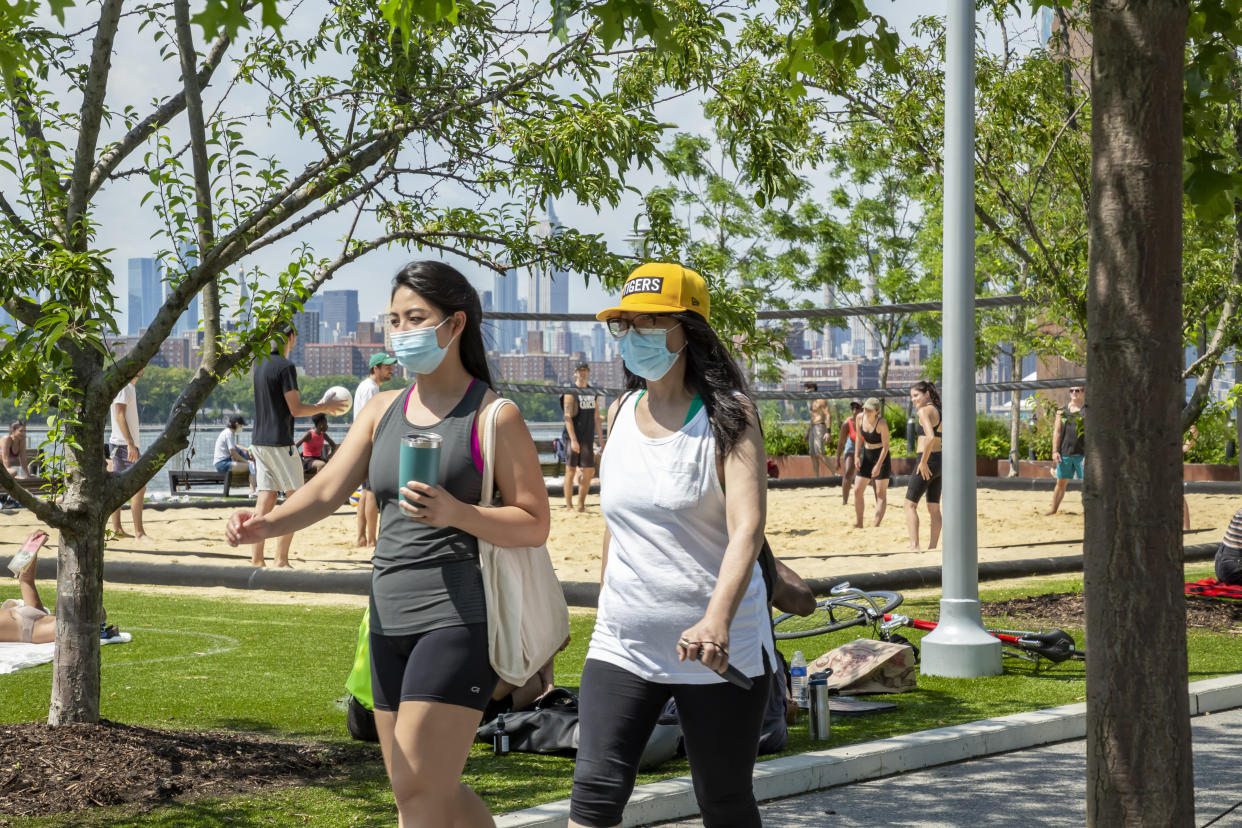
[203, 444]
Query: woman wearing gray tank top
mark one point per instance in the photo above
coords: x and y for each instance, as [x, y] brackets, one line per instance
[431, 675]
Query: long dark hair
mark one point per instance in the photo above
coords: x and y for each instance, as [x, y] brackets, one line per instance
[925, 387]
[443, 286]
[713, 374]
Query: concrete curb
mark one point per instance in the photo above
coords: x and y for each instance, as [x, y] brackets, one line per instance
[792, 775]
[577, 593]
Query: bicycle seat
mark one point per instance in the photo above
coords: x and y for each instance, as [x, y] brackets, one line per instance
[1054, 645]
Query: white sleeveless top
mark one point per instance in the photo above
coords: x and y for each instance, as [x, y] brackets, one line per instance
[665, 508]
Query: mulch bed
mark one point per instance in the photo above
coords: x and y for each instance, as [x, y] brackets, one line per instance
[46, 770]
[1066, 610]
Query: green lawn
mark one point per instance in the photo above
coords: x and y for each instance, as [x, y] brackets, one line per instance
[214, 664]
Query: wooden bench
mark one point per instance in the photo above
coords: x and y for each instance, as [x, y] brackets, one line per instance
[189, 479]
[553, 467]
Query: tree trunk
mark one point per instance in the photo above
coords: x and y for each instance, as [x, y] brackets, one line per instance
[79, 611]
[1015, 413]
[1138, 729]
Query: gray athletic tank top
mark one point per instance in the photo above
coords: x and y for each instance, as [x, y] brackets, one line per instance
[426, 577]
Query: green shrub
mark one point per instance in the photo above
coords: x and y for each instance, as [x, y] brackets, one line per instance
[1215, 430]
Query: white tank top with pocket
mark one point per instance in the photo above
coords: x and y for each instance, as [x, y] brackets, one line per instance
[664, 506]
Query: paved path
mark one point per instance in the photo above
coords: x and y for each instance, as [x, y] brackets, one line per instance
[1042, 786]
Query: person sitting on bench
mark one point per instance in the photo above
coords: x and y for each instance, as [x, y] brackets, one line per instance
[1229, 553]
[230, 457]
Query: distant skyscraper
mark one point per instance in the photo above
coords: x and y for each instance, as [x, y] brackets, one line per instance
[146, 293]
[6, 321]
[562, 340]
[340, 313]
[523, 305]
[505, 300]
[189, 318]
[549, 288]
[599, 343]
[307, 326]
[315, 305]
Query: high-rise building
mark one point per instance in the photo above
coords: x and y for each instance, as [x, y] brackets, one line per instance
[548, 290]
[307, 325]
[7, 321]
[599, 343]
[562, 340]
[146, 293]
[525, 326]
[188, 321]
[509, 332]
[339, 314]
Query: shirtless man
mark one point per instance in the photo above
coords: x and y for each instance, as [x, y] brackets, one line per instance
[817, 434]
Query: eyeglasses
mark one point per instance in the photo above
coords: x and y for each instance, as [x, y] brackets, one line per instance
[1075, 390]
[619, 326]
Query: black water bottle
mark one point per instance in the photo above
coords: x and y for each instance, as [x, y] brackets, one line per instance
[500, 741]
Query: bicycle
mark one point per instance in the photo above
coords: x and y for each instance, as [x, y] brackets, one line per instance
[855, 608]
[851, 607]
[1055, 645]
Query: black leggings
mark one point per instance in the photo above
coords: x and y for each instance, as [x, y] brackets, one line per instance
[618, 710]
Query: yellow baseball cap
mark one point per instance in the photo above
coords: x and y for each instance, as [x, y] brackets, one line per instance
[661, 287]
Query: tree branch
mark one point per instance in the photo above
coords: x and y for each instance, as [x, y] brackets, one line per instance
[23, 310]
[202, 177]
[113, 157]
[31, 128]
[50, 514]
[89, 118]
[19, 223]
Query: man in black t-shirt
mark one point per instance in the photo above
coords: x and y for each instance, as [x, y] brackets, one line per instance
[582, 423]
[278, 468]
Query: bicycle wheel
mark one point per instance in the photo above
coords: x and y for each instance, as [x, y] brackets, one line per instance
[832, 614]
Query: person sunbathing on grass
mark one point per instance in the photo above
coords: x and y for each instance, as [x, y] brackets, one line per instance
[30, 622]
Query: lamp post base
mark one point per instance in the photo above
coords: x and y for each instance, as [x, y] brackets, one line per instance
[960, 647]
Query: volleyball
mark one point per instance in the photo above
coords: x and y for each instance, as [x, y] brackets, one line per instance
[338, 392]
[355, 497]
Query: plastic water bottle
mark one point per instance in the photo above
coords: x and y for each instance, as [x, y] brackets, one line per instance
[797, 679]
[500, 742]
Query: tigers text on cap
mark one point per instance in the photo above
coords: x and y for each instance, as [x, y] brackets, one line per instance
[661, 287]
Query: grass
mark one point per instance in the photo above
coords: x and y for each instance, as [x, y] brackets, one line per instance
[197, 663]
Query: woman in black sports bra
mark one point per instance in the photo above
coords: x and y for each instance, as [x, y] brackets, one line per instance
[871, 452]
[926, 478]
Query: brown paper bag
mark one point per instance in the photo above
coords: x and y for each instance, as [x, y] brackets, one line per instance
[866, 666]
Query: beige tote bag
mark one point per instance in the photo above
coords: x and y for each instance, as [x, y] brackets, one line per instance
[527, 617]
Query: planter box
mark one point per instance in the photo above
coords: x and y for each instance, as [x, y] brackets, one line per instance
[1218, 472]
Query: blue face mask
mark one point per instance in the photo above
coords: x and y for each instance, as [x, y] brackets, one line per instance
[418, 350]
[646, 353]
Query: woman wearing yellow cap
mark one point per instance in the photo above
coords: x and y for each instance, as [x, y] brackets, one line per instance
[682, 491]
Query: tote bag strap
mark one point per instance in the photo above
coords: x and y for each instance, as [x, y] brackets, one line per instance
[487, 438]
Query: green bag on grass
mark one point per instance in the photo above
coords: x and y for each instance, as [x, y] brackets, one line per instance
[359, 681]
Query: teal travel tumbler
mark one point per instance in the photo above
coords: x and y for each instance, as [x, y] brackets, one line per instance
[420, 458]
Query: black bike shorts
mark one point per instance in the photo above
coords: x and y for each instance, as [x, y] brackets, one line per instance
[450, 665]
[867, 467]
[918, 486]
